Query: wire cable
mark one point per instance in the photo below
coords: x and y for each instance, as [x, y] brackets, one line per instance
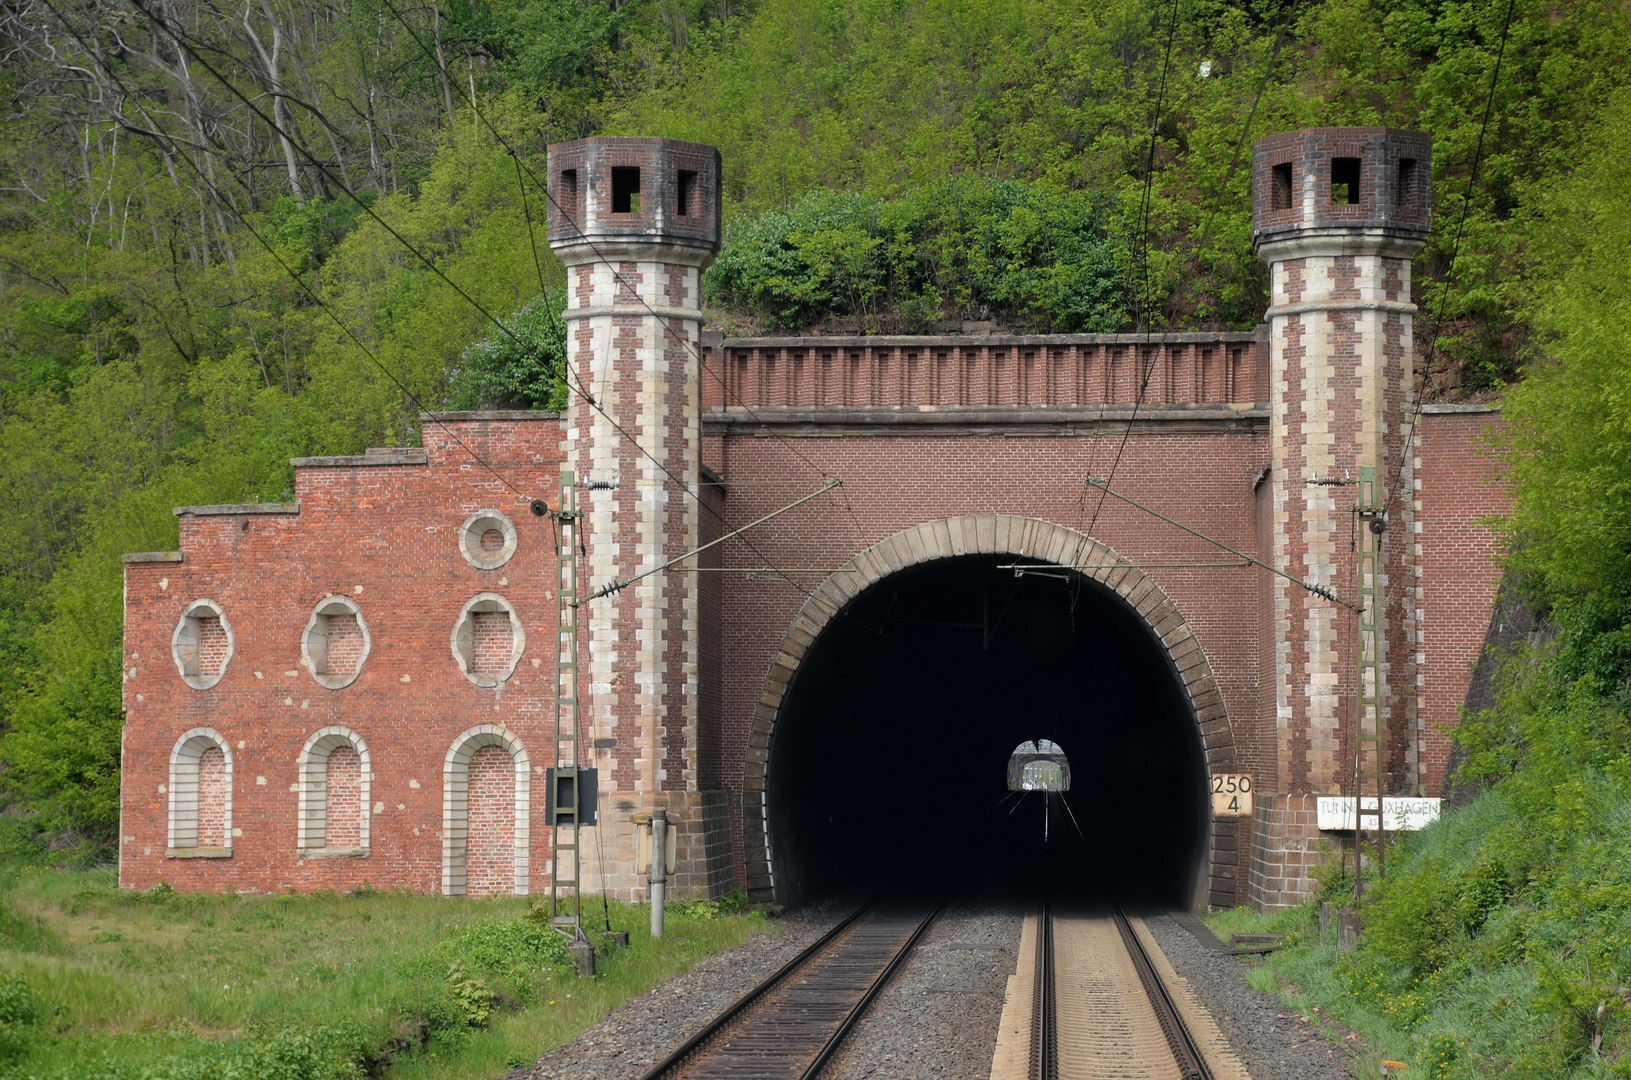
[1144, 259]
[1206, 233]
[300, 282]
[1455, 252]
[1206, 230]
[633, 291]
[183, 41]
[684, 342]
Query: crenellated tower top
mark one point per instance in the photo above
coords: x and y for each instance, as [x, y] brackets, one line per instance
[1350, 190]
[633, 196]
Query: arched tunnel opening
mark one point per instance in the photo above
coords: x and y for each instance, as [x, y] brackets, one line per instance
[889, 760]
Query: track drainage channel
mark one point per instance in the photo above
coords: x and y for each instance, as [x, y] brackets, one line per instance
[790, 1024]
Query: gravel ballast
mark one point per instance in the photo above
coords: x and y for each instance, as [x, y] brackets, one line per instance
[1273, 1041]
[644, 1031]
[939, 1015]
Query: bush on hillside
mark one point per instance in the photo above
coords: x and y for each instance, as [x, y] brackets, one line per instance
[521, 366]
[965, 248]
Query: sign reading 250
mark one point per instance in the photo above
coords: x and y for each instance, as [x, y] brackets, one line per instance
[1231, 795]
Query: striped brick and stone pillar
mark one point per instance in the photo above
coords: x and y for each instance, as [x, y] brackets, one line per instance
[636, 221]
[1338, 214]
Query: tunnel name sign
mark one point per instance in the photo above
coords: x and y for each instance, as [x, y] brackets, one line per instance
[1336, 813]
[1231, 795]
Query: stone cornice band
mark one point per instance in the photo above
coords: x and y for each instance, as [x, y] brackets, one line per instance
[1398, 307]
[642, 310]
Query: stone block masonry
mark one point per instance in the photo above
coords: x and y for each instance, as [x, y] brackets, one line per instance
[636, 222]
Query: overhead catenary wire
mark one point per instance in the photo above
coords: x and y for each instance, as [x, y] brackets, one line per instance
[1317, 590]
[616, 586]
[617, 276]
[632, 291]
[1144, 247]
[1206, 230]
[184, 42]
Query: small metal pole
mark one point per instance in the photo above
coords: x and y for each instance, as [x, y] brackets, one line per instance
[659, 844]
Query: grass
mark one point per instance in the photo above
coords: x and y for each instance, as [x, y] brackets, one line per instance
[1439, 1031]
[314, 986]
[1308, 980]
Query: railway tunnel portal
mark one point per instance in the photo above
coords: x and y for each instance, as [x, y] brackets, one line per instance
[835, 692]
[899, 696]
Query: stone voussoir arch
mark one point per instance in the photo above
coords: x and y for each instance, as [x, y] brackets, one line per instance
[982, 534]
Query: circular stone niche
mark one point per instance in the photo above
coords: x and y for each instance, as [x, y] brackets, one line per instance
[202, 644]
[336, 643]
[488, 640]
[487, 540]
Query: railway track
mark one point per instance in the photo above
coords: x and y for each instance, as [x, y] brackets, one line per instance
[791, 1024]
[1104, 1004]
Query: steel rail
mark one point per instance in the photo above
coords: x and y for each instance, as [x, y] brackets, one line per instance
[1044, 1026]
[694, 1050]
[685, 1049]
[1191, 1063]
[878, 984]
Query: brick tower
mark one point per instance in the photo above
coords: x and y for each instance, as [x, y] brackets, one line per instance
[1338, 214]
[636, 221]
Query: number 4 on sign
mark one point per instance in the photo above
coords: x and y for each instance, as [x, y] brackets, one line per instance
[1231, 795]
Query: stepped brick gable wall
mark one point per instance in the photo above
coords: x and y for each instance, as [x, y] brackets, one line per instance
[359, 685]
[381, 530]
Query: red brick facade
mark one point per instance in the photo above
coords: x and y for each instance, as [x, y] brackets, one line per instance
[373, 665]
[382, 531]
[212, 646]
[1457, 491]
[342, 806]
[212, 799]
[490, 859]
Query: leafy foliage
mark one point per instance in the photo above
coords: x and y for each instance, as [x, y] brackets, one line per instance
[1500, 942]
[969, 247]
[326, 1052]
[888, 165]
[883, 97]
[521, 366]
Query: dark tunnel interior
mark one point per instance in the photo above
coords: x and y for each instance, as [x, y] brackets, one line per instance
[888, 762]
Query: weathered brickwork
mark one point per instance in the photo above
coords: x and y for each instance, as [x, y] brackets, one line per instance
[493, 642]
[1335, 221]
[634, 338]
[995, 370]
[1457, 490]
[344, 644]
[490, 858]
[383, 531]
[375, 700]
[212, 799]
[1285, 838]
[212, 646]
[342, 810]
